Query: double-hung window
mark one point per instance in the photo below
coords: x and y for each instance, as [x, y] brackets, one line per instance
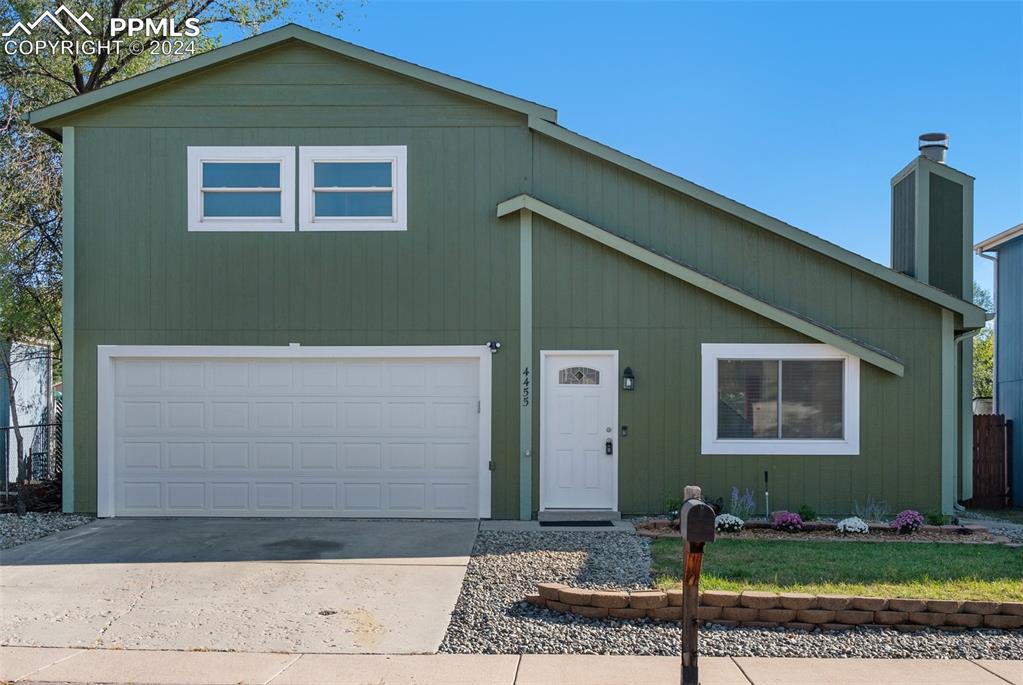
[241, 189]
[779, 399]
[352, 188]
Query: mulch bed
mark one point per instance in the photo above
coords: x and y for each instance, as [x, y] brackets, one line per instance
[761, 530]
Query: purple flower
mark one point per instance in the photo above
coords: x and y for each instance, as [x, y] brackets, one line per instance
[907, 521]
[787, 521]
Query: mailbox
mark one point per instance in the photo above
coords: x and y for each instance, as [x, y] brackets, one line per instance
[696, 521]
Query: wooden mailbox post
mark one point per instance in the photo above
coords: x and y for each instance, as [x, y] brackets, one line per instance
[696, 523]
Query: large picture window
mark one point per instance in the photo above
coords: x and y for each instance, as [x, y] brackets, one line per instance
[352, 188]
[779, 399]
[241, 189]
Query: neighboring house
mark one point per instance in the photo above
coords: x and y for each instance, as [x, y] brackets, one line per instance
[1006, 250]
[32, 370]
[305, 278]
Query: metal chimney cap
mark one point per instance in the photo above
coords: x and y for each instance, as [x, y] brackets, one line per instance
[934, 139]
[933, 146]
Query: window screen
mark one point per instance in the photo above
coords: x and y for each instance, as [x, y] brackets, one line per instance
[747, 399]
[811, 393]
[353, 189]
[241, 189]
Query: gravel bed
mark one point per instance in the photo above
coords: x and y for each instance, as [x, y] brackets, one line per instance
[17, 530]
[997, 526]
[491, 618]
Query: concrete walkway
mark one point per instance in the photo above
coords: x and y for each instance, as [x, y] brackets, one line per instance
[143, 667]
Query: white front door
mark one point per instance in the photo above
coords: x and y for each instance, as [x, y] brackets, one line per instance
[579, 438]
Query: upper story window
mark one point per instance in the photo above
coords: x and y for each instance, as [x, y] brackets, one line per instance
[241, 188]
[352, 188]
[779, 399]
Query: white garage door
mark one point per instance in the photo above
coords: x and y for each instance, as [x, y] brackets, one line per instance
[296, 437]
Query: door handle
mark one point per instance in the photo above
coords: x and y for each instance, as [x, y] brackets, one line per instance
[609, 447]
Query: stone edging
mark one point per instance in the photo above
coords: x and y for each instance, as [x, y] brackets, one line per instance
[789, 610]
[654, 528]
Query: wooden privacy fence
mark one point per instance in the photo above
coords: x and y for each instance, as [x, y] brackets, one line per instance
[991, 436]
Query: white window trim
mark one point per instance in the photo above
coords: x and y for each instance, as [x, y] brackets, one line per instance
[283, 155]
[711, 444]
[310, 154]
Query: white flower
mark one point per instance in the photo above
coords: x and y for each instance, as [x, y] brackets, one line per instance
[853, 524]
[728, 523]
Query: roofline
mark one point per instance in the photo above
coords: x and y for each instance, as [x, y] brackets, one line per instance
[273, 38]
[970, 312]
[998, 240]
[810, 328]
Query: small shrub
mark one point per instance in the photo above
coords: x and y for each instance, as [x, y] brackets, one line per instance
[726, 523]
[807, 514]
[742, 506]
[673, 505]
[787, 521]
[936, 518]
[873, 510]
[853, 525]
[907, 521]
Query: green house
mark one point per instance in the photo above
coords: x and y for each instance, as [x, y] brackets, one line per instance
[308, 279]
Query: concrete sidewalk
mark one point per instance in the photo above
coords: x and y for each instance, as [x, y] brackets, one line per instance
[143, 667]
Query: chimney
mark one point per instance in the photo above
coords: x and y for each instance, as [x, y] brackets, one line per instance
[932, 220]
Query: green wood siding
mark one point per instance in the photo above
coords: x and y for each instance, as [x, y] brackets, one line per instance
[658, 324]
[904, 225]
[453, 277]
[946, 239]
[591, 297]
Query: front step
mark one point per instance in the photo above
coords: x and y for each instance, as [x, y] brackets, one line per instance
[577, 515]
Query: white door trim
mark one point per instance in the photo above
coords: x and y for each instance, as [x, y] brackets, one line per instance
[544, 356]
[106, 354]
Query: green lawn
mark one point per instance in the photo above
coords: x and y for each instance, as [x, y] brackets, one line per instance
[929, 570]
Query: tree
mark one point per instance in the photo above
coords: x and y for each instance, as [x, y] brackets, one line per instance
[983, 348]
[30, 163]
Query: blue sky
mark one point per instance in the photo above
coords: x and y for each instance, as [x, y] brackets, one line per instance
[801, 110]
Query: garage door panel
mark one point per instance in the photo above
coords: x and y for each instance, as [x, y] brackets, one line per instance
[318, 456]
[229, 455]
[186, 497]
[407, 455]
[139, 416]
[186, 456]
[296, 437]
[318, 497]
[138, 375]
[227, 416]
[272, 416]
[227, 375]
[230, 498]
[140, 456]
[362, 456]
[318, 415]
[274, 456]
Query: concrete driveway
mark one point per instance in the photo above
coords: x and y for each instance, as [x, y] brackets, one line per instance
[271, 585]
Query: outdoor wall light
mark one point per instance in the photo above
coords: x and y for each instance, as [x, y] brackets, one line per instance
[628, 379]
[494, 346]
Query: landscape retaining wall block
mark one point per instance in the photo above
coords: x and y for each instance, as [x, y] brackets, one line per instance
[757, 609]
